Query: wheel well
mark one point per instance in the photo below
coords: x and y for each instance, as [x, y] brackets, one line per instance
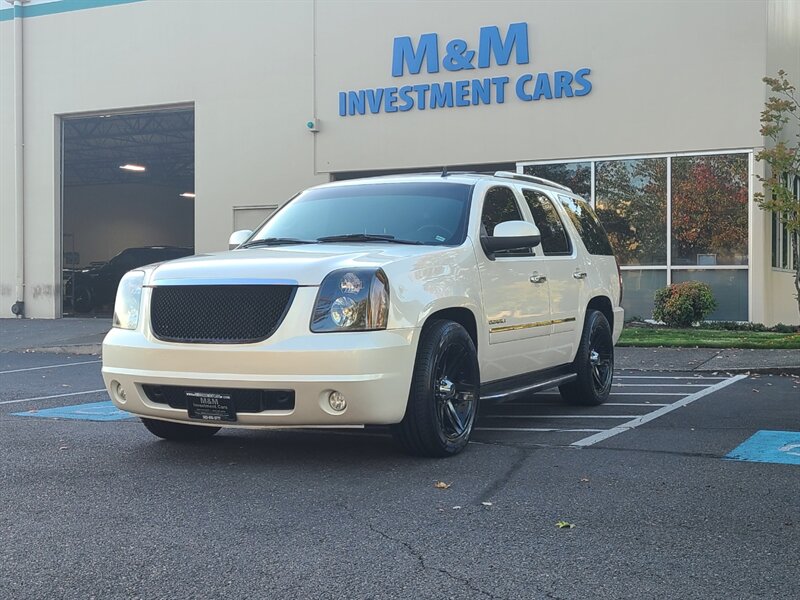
[603, 304]
[462, 316]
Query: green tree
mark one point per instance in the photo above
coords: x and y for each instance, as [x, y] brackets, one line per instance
[780, 124]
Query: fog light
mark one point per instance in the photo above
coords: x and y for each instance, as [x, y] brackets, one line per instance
[119, 392]
[337, 401]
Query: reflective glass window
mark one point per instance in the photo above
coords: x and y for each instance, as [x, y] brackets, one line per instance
[554, 238]
[577, 176]
[729, 287]
[631, 202]
[640, 289]
[709, 210]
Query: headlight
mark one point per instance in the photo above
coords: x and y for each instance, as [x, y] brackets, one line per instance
[129, 300]
[352, 300]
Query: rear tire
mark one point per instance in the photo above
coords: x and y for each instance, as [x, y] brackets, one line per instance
[83, 301]
[178, 432]
[594, 363]
[445, 390]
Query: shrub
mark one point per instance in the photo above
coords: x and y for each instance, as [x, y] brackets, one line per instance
[681, 304]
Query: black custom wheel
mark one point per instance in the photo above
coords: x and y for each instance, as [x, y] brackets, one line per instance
[594, 363]
[177, 431]
[444, 393]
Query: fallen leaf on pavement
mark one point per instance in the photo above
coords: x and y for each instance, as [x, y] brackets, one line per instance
[441, 485]
[564, 525]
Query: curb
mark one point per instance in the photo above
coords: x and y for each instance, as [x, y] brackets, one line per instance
[733, 370]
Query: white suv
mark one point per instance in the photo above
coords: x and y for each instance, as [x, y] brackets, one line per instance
[396, 300]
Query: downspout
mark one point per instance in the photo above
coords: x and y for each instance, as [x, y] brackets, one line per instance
[18, 308]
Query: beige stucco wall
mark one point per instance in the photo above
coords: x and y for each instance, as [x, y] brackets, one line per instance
[7, 235]
[667, 77]
[251, 141]
[783, 52]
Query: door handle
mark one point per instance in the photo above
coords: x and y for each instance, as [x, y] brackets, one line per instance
[579, 274]
[536, 278]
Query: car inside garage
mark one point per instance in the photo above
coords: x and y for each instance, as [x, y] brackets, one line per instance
[128, 200]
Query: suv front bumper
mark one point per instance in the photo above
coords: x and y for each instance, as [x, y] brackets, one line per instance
[371, 369]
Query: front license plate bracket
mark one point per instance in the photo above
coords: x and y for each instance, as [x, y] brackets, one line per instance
[210, 406]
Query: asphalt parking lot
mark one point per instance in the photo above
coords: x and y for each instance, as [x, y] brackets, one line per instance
[665, 486]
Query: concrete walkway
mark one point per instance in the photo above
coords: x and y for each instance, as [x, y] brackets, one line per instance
[73, 336]
[705, 360]
[85, 336]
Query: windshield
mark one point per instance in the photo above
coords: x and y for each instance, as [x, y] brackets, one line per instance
[422, 213]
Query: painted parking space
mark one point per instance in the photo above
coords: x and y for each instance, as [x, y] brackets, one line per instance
[92, 411]
[42, 381]
[766, 446]
[635, 399]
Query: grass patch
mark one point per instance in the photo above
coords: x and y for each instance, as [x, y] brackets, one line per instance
[649, 337]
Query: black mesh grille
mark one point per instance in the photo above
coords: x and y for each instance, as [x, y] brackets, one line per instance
[218, 314]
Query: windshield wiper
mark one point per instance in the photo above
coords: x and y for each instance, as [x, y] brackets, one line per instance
[367, 237]
[276, 241]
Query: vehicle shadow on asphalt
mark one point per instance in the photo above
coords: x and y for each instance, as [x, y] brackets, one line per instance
[281, 447]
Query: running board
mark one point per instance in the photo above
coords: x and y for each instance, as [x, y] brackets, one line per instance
[530, 388]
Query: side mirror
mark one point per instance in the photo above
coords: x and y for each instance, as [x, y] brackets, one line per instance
[238, 238]
[510, 235]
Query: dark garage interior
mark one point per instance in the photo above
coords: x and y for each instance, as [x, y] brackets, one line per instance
[128, 200]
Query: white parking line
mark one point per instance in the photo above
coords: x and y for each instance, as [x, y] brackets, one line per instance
[625, 394]
[536, 429]
[18, 400]
[604, 435]
[560, 416]
[665, 377]
[75, 364]
[562, 404]
[661, 384]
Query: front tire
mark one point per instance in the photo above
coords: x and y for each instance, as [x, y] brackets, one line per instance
[443, 401]
[594, 363]
[178, 432]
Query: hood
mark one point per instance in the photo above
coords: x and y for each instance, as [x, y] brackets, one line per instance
[302, 264]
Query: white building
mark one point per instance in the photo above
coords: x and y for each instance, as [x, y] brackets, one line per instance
[650, 109]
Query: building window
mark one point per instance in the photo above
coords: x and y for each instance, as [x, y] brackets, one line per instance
[709, 210]
[672, 218]
[577, 176]
[785, 247]
[631, 202]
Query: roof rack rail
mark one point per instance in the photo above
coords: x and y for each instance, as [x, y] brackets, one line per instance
[532, 179]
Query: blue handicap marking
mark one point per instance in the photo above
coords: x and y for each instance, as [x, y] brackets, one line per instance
[769, 446]
[93, 411]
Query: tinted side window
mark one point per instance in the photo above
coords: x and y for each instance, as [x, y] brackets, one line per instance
[500, 205]
[588, 226]
[554, 238]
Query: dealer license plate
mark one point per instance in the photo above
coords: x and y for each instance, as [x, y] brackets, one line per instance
[210, 406]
